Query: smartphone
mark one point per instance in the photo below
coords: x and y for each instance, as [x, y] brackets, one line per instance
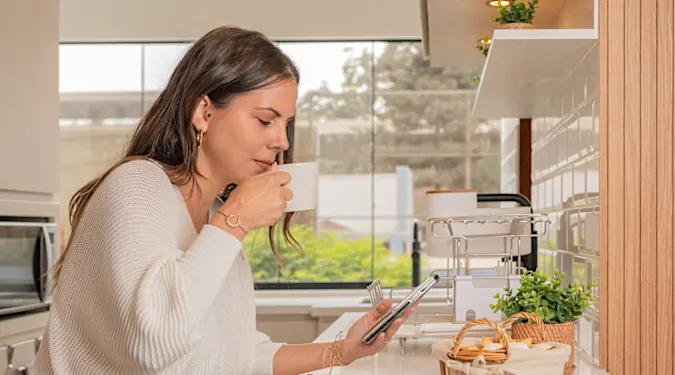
[393, 314]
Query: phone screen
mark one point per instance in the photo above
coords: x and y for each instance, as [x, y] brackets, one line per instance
[393, 314]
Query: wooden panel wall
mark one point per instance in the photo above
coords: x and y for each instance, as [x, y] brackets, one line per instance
[637, 175]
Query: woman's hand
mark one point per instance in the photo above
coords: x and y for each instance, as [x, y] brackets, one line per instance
[260, 200]
[352, 348]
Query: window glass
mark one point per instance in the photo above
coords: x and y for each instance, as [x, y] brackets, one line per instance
[382, 123]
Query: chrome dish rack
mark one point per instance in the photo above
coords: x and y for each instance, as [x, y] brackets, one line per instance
[468, 291]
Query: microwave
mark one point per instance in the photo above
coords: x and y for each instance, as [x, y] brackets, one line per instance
[28, 252]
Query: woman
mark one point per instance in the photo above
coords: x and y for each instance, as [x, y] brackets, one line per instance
[154, 279]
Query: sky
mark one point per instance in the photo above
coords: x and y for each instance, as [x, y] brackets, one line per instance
[135, 67]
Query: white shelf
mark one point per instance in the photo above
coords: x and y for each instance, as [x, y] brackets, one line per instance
[521, 60]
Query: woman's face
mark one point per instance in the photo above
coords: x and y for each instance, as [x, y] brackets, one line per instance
[243, 139]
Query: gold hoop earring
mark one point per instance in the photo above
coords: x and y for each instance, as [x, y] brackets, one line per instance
[200, 136]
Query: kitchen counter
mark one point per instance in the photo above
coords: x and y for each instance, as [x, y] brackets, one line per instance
[327, 303]
[414, 359]
[312, 305]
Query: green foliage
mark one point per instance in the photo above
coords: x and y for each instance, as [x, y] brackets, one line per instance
[328, 256]
[422, 119]
[483, 46]
[517, 12]
[549, 299]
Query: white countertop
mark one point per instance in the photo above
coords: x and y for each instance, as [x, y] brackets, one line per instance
[414, 359]
[334, 305]
[319, 303]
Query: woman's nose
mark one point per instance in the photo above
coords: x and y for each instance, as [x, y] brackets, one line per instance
[280, 139]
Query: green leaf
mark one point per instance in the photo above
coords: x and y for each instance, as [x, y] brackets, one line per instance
[326, 257]
[551, 299]
[517, 12]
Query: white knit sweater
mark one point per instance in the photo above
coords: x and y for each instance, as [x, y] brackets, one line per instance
[142, 293]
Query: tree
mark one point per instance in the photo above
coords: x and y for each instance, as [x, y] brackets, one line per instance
[422, 118]
[327, 256]
[419, 116]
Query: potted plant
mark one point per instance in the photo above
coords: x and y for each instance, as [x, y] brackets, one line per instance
[517, 14]
[557, 304]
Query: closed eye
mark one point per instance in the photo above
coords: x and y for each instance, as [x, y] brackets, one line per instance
[264, 122]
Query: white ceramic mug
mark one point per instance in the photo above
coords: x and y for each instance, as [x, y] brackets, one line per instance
[304, 185]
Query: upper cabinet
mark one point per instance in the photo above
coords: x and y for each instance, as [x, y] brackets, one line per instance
[519, 60]
[29, 100]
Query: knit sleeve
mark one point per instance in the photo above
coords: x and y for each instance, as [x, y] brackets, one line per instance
[157, 294]
[265, 350]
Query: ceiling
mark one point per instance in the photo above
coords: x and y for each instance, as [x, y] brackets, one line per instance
[451, 28]
[179, 20]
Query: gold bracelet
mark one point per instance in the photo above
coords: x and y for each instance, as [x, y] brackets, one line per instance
[334, 358]
[237, 221]
[334, 352]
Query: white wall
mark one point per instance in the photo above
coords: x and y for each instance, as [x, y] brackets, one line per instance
[577, 14]
[154, 20]
[346, 200]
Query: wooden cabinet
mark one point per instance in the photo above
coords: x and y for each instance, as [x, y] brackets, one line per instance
[29, 99]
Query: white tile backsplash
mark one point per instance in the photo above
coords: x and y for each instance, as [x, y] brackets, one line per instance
[565, 181]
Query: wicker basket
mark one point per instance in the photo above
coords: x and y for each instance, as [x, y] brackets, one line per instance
[540, 331]
[518, 26]
[468, 354]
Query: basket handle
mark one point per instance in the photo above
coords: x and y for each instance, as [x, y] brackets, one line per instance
[479, 322]
[525, 315]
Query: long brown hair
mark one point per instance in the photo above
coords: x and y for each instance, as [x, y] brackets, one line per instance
[224, 63]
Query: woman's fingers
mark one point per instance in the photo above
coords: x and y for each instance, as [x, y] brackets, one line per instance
[411, 310]
[391, 331]
[379, 310]
[286, 193]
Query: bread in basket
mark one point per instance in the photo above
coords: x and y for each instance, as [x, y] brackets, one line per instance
[499, 354]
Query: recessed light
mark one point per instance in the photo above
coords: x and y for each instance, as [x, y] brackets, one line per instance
[498, 3]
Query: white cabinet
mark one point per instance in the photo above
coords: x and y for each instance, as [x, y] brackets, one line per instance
[29, 100]
[19, 340]
[288, 328]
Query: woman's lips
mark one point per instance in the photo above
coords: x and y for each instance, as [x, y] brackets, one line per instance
[263, 164]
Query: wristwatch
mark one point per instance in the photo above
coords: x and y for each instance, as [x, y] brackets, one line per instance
[233, 220]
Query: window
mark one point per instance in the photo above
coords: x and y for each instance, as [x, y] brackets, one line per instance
[383, 125]
[100, 89]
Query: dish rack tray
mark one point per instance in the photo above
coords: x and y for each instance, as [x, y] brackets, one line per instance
[464, 292]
